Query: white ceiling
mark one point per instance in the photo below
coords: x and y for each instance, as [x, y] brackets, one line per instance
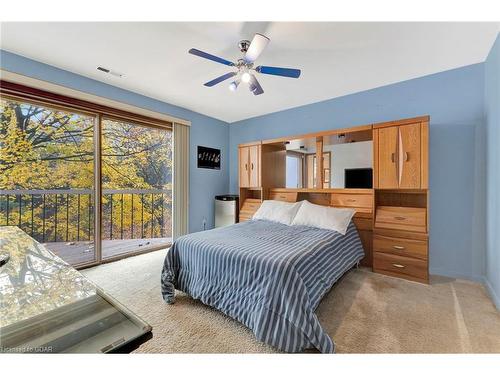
[335, 58]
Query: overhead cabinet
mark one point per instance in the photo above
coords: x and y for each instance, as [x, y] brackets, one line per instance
[249, 157]
[400, 155]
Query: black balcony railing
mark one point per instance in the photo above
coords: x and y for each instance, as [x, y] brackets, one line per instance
[68, 214]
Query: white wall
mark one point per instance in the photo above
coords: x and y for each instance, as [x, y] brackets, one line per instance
[348, 155]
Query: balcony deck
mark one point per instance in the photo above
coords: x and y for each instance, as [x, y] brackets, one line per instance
[83, 251]
[133, 220]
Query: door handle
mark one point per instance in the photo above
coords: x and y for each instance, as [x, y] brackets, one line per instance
[393, 157]
[400, 157]
[251, 166]
[246, 167]
[406, 156]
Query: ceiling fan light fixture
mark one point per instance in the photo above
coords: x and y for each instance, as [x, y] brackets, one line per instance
[245, 77]
[234, 85]
[245, 66]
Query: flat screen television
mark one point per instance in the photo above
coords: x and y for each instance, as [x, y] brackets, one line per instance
[358, 178]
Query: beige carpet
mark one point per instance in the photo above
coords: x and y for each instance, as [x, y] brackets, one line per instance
[363, 313]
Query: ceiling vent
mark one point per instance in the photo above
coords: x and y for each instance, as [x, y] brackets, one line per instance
[109, 71]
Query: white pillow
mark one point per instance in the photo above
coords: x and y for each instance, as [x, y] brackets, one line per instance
[324, 217]
[280, 212]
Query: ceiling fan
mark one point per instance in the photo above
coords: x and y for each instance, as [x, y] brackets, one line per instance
[244, 66]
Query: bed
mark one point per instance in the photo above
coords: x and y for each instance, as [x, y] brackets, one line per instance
[269, 276]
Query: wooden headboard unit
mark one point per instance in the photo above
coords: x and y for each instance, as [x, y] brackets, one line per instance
[392, 218]
[361, 200]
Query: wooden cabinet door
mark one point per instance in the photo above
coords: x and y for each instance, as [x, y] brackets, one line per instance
[244, 166]
[409, 164]
[387, 157]
[254, 166]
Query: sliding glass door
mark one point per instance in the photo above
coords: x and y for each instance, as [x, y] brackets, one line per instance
[47, 163]
[49, 159]
[136, 170]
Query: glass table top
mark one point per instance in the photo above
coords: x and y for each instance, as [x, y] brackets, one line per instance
[48, 306]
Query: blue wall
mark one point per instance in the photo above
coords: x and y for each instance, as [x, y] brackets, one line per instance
[492, 115]
[454, 100]
[205, 131]
[464, 121]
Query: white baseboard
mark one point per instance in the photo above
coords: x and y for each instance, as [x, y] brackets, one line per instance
[456, 275]
[477, 278]
[492, 293]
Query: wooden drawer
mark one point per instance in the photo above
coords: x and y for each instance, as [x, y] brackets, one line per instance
[398, 266]
[251, 204]
[285, 197]
[244, 217]
[248, 208]
[400, 246]
[352, 200]
[401, 218]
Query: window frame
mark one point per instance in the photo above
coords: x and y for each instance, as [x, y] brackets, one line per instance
[50, 100]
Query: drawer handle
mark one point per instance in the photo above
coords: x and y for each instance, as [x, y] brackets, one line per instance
[351, 200]
[399, 218]
[397, 247]
[398, 265]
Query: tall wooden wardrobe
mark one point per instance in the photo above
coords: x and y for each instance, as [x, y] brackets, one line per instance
[401, 227]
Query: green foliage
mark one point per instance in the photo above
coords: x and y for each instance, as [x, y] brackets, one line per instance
[43, 148]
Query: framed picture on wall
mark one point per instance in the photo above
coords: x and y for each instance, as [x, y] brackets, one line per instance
[208, 157]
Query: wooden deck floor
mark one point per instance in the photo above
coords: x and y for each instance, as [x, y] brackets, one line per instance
[83, 251]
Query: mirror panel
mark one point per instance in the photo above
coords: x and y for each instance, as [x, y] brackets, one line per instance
[344, 154]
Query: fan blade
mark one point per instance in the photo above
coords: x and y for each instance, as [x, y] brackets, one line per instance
[220, 60]
[276, 71]
[220, 79]
[259, 42]
[255, 86]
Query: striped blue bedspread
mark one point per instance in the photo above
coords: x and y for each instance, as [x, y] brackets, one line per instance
[271, 277]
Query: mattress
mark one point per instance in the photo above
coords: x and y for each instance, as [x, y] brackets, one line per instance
[269, 276]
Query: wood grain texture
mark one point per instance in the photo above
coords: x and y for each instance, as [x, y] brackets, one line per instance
[324, 191]
[248, 208]
[318, 134]
[424, 155]
[398, 266]
[405, 121]
[273, 166]
[244, 161]
[409, 153]
[401, 218]
[284, 197]
[254, 165]
[319, 163]
[387, 153]
[352, 200]
[366, 241]
[375, 159]
[401, 246]
[401, 198]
